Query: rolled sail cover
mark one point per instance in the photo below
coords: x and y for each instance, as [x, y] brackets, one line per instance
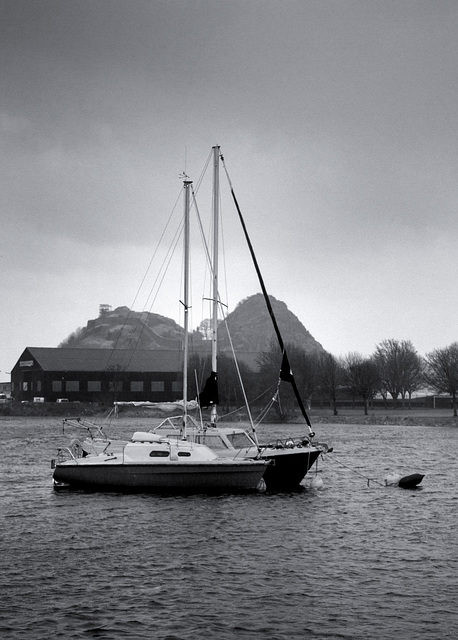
[209, 395]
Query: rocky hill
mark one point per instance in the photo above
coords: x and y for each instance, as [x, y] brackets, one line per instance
[249, 324]
[126, 329]
[251, 328]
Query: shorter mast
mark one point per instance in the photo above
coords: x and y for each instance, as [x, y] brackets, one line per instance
[187, 190]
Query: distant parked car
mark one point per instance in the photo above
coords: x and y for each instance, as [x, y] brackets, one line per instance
[62, 400]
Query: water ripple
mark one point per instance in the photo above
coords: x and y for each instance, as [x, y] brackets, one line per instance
[346, 562]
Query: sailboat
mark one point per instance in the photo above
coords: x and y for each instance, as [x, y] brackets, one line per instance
[290, 458]
[156, 462]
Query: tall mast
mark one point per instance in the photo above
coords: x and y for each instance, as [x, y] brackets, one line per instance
[187, 192]
[215, 210]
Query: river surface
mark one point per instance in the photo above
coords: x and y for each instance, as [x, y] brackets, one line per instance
[347, 561]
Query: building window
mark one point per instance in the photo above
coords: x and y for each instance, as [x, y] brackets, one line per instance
[136, 385]
[115, 386]
[38, 384]
[72, 385]
[176, 386]
[157, 385]
[94, 385]
[25, 386]
[57, 386]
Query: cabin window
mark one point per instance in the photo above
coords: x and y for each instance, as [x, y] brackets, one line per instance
[157, 385]
[184, 454]
[176, 386]
[38, 385]
[115, 385]
[72, 385]
[159, 454]
[240, 440]
[136, 385]
[94, 385]
[25, 386]
[57, 386]
[214, 441]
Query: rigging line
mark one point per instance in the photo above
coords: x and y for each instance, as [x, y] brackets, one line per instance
[161, 273]
[263, 411]
[159, 277]
[164, 267]
[206, 250]
[158, 244]
[169, 253]
[265, 392]
[223, 248]
[250, 417]
[199, 408]
[203, 237]
[275, 398]
[199, 180]
[202, 233]
[142, 283]
[221, 306]
[148, 269]
[224, 315]
[285, 363]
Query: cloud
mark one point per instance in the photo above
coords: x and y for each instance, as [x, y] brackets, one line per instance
[337, 121]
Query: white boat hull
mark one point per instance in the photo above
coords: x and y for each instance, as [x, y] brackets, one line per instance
[151, 462]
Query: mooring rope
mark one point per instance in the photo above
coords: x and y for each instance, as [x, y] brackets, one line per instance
[354, 471]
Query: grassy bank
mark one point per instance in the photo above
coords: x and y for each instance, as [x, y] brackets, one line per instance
[398, 416]
[379, 416]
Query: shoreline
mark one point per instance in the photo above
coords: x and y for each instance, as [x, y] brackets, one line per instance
[385, 419]
[380, 416]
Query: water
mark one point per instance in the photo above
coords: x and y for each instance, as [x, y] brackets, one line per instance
[347, 561]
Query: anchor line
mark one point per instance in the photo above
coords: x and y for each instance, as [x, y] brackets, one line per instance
[357, 472]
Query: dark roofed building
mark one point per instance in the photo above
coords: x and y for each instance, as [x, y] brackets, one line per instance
[97, 375]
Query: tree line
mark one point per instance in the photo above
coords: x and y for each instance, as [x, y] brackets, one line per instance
[394, 372]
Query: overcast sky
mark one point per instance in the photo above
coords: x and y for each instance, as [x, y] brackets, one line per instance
[338, 121]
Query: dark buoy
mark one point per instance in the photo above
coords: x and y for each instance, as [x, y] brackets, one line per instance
[410, 482]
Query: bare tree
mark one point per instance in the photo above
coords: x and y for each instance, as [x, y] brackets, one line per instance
[307, 374]
[441, 372]
[399, 368]
[361, 377]
[307, 371]
[412, 372]
[331, 378]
